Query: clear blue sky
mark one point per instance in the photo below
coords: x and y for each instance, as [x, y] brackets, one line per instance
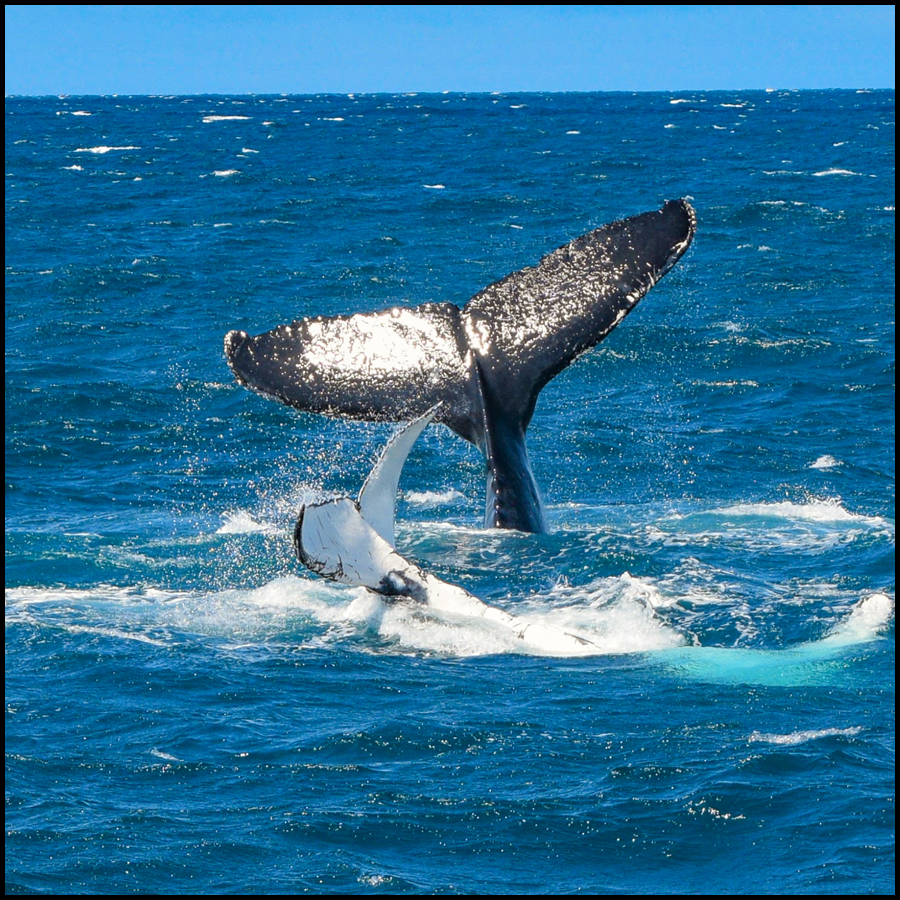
[313, 49]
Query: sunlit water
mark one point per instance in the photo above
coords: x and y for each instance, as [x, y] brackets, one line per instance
[188, 710]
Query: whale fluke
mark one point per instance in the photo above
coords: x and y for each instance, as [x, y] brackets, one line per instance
[486, 363]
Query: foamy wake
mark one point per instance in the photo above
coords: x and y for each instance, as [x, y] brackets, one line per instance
[617, 615]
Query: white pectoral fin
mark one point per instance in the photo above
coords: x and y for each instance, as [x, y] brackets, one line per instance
[335, 541]
[378, 496]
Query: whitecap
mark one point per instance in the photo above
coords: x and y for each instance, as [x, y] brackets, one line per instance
[208, 119]
[828, 510]
[434, 187]
[866, 621]
[825, 462]
[74, 168]
[225, 173]
[801, 737]
[573, 132]
[104, 149]
[835, 172]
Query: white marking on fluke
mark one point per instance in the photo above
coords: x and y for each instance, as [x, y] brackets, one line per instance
[352, 542]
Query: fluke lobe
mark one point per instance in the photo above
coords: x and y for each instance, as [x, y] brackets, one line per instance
[486, 363]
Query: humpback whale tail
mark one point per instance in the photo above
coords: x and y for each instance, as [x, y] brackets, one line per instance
[485, 363]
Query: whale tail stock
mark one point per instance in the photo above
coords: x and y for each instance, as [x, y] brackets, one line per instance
[486, 363]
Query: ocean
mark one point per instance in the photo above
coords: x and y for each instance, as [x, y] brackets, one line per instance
[189, 710]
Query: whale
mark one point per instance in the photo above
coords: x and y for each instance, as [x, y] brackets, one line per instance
[482, 365]
[353, 542]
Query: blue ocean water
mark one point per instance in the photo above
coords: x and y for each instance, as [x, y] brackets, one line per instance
[189, 711]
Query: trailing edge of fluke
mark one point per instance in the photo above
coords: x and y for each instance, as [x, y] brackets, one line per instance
[484, 363]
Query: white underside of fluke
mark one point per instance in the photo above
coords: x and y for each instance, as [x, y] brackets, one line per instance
[353, 542]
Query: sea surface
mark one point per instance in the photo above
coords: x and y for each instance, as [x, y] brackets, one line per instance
[188, 710]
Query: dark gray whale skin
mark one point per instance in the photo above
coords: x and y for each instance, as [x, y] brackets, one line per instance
[484, 363]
